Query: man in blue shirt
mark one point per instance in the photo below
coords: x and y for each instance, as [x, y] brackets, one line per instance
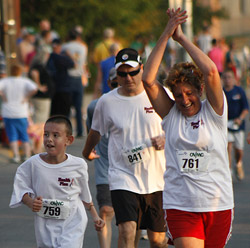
[237, 111]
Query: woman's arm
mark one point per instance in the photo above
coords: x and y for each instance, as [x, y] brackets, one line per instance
[156, 93]
[214, 91]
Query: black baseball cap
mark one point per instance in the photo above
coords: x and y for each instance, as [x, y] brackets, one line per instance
[127, 56]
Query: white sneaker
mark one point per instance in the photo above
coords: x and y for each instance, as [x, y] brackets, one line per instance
[16, 160]
[144, 234]
[240, 171]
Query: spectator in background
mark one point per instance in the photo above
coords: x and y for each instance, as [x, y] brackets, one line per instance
[42, 46]
[204, 40]
[15, 92]
[216, 54]
[26, 46]
[103, 196]
[44, 43]
[101, 50]
[2, 64]
[104, 67]
[85, 75]
[39, 74]
[78, 53]
[57, 66]
[237, 112]
[45, 25]
[231, 61]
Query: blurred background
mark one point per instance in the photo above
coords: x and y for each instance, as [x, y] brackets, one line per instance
[135, 22]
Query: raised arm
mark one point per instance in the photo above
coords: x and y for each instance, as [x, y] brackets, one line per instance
[214, 91]
[156, 93]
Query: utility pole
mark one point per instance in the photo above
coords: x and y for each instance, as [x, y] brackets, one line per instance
[9, 25]
[186, 27]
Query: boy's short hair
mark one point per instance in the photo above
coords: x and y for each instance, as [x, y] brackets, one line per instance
[61, 119]
[16, 70]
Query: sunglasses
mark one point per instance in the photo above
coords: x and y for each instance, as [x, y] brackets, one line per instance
[131, 73]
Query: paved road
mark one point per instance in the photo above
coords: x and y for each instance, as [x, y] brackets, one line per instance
[16, 225]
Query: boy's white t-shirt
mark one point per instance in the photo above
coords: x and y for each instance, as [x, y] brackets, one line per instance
[197, 176]
[134, 164]
[65, 182]
[16, 89]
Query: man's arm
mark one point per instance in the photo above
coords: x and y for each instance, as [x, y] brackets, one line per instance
[241, 117]
[92, 140]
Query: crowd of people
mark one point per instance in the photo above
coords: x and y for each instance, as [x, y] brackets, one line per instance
[162, 149]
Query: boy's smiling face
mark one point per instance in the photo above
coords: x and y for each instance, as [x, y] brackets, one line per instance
[56, 139]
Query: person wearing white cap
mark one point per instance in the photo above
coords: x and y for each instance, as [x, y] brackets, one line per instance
[135, 152]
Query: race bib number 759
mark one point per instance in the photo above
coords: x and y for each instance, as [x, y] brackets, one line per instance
[54, 209]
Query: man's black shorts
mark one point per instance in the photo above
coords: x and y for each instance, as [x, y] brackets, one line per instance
[145, 209]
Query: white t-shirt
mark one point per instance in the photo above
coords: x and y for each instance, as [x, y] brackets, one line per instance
[78, 53]
[197, 176]
[134, 165]
[16, 89]
[65, 182]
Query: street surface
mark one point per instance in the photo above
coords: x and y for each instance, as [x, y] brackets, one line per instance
[16, 225]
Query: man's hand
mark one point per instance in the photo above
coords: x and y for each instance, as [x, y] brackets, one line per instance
[93, 155]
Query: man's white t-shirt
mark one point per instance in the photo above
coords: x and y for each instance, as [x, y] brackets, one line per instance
[78, 53]
[134, 165]
[197, 176]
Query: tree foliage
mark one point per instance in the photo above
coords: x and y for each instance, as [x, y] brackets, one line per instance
[202, 15]
[128, 17]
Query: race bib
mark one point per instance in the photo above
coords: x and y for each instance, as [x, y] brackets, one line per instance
[136, 155]
[54, 209]
[193, 161]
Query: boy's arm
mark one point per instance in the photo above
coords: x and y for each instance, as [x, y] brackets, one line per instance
[99, 223]
[34, 204]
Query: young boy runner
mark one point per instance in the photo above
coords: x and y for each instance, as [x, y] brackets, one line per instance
[54, 184]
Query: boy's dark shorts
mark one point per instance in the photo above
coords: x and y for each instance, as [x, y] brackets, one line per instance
[103, 195]
[145, 209]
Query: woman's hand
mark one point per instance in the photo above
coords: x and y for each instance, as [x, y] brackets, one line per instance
[176, 18]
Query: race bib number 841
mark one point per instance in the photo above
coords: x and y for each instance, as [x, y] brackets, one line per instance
[136, 155]
[193, 161]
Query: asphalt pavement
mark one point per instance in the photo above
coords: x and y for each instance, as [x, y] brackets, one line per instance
[16, 225]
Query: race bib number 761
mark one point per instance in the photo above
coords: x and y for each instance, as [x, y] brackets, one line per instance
[196, 161]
